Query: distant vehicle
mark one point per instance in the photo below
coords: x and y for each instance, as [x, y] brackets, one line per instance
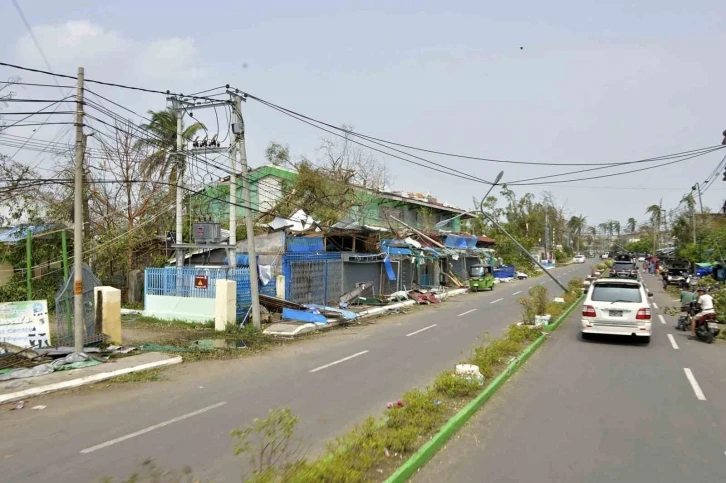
[604, 256]
[676, 276]
[579, 258]
[641, 258]
[590, 255]
[617, 307]
[624, 269]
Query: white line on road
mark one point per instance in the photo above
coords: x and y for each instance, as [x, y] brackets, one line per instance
[495, 301]
[467, 312]
[338, 361]
[655, 305]
[151, 428]
[662, 319]
[516, 293]
[694, 384]
[673, 341]
[421, 330]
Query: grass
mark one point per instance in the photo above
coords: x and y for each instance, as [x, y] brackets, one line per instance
[176, 333]
[151, 375]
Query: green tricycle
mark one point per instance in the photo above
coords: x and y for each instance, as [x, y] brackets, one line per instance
[481, 277]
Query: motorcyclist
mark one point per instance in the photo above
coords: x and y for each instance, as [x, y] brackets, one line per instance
[705, 304]
[687, 297]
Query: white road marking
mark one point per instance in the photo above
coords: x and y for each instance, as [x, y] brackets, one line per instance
[673, 341]
[151, 428]
[655, 305]
[421, 330]
[338, 361]
[467, 312]
[694, 384]
[515, 293]
[495, 301]
[662, 319]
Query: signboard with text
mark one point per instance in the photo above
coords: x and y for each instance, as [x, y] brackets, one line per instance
[201, 281]
[25, 324]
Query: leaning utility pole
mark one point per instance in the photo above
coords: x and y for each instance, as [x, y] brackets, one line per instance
[78, 320]
[239, 130]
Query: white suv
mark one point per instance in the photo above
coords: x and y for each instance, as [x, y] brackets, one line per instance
[617, 307]
[579, 258]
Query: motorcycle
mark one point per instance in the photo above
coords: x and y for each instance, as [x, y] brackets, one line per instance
[706, 328]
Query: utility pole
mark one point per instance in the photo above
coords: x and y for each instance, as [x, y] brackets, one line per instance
[239, 130]
[232, 252]
[546, 234]
[78, 320]
[179, 184]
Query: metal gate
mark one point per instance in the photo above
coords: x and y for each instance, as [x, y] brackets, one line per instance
[313, 278]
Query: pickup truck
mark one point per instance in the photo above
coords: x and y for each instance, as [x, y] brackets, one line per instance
[676, 276]
[624, 269]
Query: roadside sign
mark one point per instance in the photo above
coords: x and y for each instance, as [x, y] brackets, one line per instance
[201, 281]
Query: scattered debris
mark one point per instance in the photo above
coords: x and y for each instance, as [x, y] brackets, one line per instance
[19, 405]
[470, 372]
[212, 344]
[39, 407]
[559, 300]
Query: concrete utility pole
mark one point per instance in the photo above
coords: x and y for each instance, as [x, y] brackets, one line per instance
[232, 252]
[78, 321]
[239, 130]
[179, 182]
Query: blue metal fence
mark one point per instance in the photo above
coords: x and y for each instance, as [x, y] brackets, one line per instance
[181, 283]
[313, 278]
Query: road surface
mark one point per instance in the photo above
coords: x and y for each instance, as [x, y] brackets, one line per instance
[600, 411]
[332, 383]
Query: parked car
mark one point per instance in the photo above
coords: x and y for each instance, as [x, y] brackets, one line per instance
[641, 258]
[617, 307]
[590, 255]
[604, 256]
[676, 276]
[624, 269]
[579, 258]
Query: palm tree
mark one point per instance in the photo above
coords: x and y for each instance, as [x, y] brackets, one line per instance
[162, 138]
[632, 224]
[656, 218]
[576, 224]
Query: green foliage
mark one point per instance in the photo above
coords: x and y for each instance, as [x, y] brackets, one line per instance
[523, 333]
[645, 245]
[451, 385]
[528, 310]
[269, 444]
[540, 298]
[601, 266]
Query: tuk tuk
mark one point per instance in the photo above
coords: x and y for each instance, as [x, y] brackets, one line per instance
[481, 277]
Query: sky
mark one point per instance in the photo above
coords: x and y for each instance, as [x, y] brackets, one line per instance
[561, 82]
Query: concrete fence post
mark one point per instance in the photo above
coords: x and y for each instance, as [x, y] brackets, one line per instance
[107, 311]
[225, 304]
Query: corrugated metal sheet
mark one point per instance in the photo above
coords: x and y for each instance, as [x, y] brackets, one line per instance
[15, 234]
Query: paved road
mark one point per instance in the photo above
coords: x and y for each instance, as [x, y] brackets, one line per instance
[332, 383]
[601, 411]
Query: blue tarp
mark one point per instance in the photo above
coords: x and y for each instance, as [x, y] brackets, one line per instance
[431, 251]
[305, 244]
[504, 271]
[243, 260]
[347, 314]
[303, 316]
[460, 241]
[389, 269]
[396, 247]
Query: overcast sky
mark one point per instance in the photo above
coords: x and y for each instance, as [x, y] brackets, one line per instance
[566, 81]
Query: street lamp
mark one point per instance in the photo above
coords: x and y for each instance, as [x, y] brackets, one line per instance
[494, 222]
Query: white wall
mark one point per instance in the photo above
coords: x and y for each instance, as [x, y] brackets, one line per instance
[188, 309]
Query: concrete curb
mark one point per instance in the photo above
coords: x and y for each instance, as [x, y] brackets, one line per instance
[426, 452]
[83, 381]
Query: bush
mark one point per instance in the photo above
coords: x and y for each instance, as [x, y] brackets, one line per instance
[522, 333]
[529, 310]
[490, 356]
[609, 263]
[540, 298]
[450, 385]
[575, 285]
[601, 266]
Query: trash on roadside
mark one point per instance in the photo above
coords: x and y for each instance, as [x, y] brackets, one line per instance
[19, 405]
[470, 372]
[212, 344]
[559, 300]
[39, 407]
